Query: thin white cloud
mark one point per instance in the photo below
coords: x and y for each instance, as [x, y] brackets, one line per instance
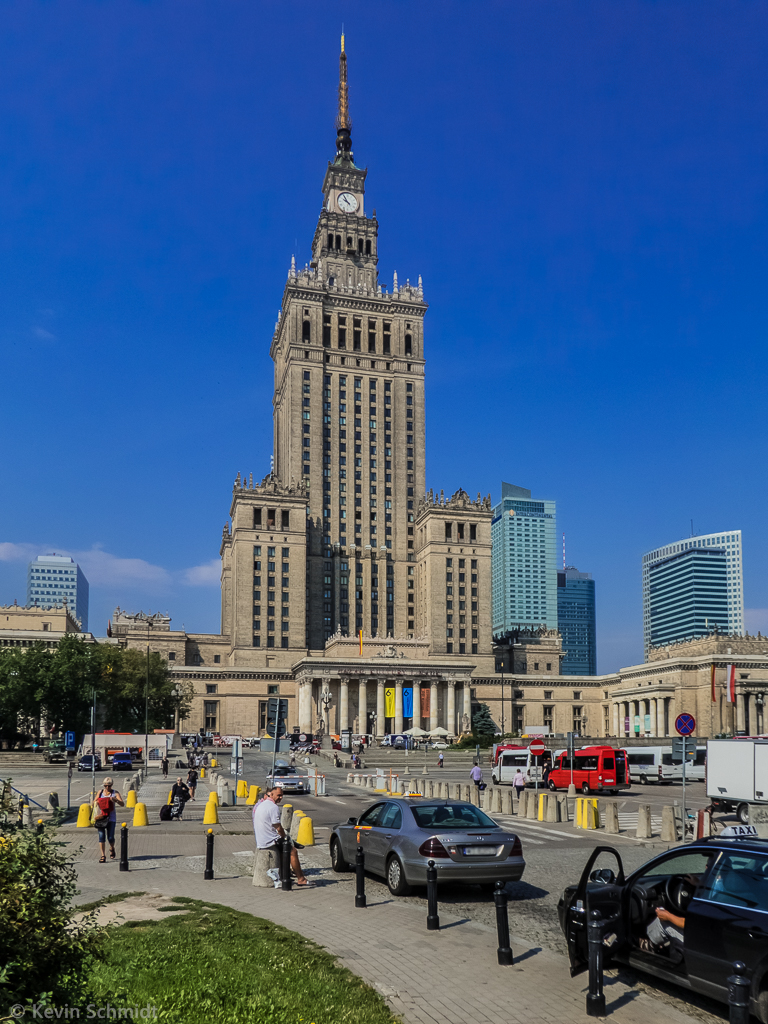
[104, 569]
[756, 620]
[206, 575]
[43, 335]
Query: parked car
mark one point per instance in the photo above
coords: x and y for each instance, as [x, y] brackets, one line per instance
[439, 745]
[85, 764]
[595, 769]
[289, 779]
[400, 837]
[122, 761]
[716, 888]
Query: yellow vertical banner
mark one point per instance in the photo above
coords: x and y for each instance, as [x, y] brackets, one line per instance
[389, 702]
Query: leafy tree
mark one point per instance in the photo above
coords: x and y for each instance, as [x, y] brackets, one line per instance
[124, 685]
[45, 955]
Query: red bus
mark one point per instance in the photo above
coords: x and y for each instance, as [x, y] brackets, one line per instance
[594, 769]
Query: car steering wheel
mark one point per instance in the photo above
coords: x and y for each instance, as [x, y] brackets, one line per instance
[678, 893]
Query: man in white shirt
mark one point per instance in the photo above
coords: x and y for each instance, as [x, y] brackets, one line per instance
[270, 833]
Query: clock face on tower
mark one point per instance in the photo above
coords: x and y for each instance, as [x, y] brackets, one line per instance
[346, 202]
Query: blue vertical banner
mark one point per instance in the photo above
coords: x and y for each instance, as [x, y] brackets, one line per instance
[407, 702]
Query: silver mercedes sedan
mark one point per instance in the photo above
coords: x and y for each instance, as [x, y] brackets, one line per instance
[399, 837]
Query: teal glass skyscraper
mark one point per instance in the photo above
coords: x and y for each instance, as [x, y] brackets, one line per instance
[523, 561]
[576, 622]
[54, 579]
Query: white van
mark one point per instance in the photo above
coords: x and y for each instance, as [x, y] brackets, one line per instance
[655, 764]
[509, 761]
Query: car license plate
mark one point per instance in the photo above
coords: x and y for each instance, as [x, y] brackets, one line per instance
[480, 851]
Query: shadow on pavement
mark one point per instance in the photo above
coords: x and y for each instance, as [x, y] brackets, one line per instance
[527, 955]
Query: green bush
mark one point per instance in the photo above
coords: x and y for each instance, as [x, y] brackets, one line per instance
[45, 956]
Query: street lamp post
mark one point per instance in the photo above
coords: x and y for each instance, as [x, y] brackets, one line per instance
[502, 697]
[146, 720]
[326, 698]
[177, 695]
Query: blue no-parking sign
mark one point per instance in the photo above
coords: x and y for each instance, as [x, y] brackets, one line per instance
[685, 724]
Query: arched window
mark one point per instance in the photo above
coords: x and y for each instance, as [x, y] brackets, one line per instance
[338, 241]
[408, 345]
[360, 246]
[350, 242]
[367, 247]
[330, 240]
[305, 331]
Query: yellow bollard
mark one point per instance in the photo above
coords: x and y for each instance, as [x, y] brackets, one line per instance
[140, 815]
[253, 795]
[130, 800]
[211, 816]
[306, 833]
[541, 806]
[214, 763]
[202, 773]
[595, 814]
[213, 797]
[84, 816]
[242, 788]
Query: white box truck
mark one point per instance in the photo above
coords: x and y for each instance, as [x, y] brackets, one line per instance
[737, 775]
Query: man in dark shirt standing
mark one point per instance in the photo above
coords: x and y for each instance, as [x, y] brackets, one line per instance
[179, 796]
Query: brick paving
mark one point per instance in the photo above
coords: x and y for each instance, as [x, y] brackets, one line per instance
[426, 977]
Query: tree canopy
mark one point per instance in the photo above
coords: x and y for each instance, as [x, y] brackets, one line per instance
[55, 687]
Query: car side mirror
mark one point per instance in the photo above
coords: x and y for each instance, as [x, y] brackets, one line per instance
[351, 821]
[604, 876]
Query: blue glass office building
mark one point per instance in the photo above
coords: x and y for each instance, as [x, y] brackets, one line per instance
[576, 622]
[692, 587]
[523, 561]
[51, 579]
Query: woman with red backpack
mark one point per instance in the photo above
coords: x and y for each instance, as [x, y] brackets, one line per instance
[105, 817]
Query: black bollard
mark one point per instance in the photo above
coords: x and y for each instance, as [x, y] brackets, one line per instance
[504, 951]
[360, 878]
[208, 873]
[285, 866]
[124, 847]
[20, 817]
[738, 994]
[40, 826]
[433, 921]
[595, 994]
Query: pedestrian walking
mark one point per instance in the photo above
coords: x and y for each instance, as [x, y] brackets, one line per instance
[164, 766]
[106, 817]
[519, 782]
[293, 759]
[270, 834]
[476, 775]
[440, 759]
[179, 796]
[192, 782]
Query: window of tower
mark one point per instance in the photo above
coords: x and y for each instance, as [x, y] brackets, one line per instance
[330, 240]
[367, 247]
[342, 332]
[357, 333]
[306, 329]
[387, 337]
[408, 345]
[448, 531]
[338, 241]
[371, 335]
[360, 246]
[257, 517]
[350, 242]
[326, 329]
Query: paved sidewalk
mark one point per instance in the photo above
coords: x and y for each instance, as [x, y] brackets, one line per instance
[445, 977]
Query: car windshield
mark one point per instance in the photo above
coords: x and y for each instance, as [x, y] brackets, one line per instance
[443, 817]
[284, 771]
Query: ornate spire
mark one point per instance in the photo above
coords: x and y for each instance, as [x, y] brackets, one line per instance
[343, 121]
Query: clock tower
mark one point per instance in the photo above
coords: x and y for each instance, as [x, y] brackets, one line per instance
[349, 412]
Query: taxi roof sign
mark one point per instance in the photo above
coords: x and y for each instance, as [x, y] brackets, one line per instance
[739, 832]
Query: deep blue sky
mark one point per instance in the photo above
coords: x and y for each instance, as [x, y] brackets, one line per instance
[582, 186]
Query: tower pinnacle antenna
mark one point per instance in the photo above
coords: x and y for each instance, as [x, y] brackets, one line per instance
[343, 120]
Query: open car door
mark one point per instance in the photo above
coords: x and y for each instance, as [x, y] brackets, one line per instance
[600, 890]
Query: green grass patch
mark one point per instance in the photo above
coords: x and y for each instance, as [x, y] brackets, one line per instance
[222, 966]
[115, 897]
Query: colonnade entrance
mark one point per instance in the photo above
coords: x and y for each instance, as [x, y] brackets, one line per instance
[379, 703]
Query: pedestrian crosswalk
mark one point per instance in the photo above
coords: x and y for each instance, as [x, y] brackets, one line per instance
[628, 820]
[535, 833]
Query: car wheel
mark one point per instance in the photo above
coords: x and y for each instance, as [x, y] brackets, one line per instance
[552, 786]
[742, 813]
[585, 788]
[643, 780]
[614, 792]
[396, 878]
[338, 863]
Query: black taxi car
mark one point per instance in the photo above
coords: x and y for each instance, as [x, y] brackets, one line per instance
[712, 895]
